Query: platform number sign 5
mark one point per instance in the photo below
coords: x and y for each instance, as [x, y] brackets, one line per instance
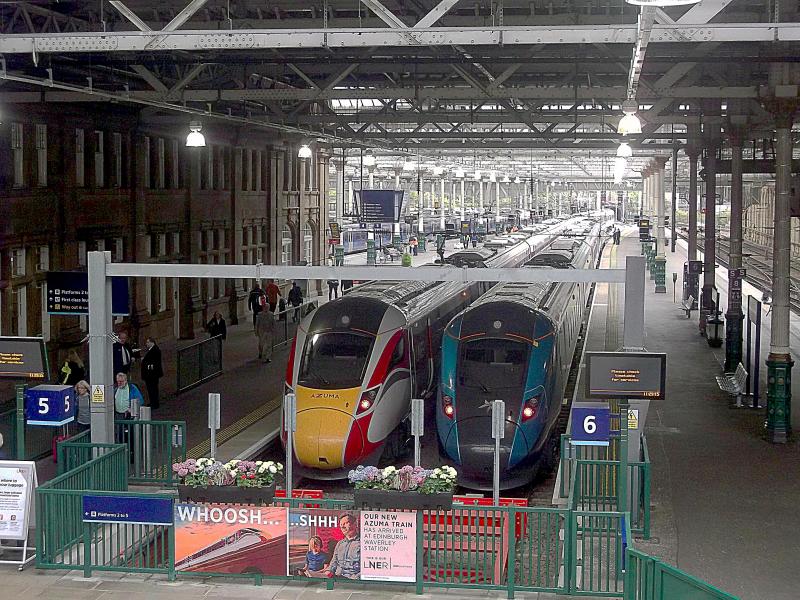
[50, 405]
[590, 424]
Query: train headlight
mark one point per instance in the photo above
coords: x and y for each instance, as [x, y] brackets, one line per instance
[367, 400]
[447, 406]
[529, 409]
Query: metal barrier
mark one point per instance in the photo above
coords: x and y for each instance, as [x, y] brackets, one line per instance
[59, 523]
[597, 481]
[153, 446]
[198, 363]
[72, 455]
[647, 578]
[568, 551]
[38, 439]
[287, 321]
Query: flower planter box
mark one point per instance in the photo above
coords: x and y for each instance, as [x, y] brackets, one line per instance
[391, 499]
[227, 494]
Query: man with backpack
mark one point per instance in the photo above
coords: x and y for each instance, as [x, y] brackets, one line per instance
[256, 302]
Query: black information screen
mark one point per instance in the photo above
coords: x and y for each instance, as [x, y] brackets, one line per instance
[378, 206]
[22, 358]
[625, 375]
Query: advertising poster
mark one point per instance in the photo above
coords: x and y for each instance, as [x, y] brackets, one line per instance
[16, 487]
[218, 538]
[324, 543]
[388, 546]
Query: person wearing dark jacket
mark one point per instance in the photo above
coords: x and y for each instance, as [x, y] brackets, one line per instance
[295, 299]
[256, 302]
[152, 371]
[216, 326]
[72, 371]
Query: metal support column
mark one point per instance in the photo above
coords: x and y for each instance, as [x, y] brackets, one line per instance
[779, 361]
[693, 281]
[674, 208]
[497, 203]
[660, 262]
[734, 317]
[441, 207]
[100, 347]
[707, 306]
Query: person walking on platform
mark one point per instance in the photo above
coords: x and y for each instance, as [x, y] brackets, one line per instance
[127, 398]
[333, 289]
[273, 291]
[216, 326]
[295, 299]
[265, 331]
[346, 285]
[414, 244]
[152, 371]
[256, 302]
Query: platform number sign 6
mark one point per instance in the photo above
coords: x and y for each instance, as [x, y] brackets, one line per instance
[590, 424]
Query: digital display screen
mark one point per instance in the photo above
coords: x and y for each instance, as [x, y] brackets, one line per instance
[22, 358]
[626, 375]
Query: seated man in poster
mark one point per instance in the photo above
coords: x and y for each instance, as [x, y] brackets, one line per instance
[346, 560]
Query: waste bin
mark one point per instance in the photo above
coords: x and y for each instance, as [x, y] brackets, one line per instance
[714, 328]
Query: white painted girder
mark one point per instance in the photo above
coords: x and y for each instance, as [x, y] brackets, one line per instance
[357, 38]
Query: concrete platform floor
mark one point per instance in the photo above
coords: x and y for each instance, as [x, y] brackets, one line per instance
[64, 585]
[724, 500]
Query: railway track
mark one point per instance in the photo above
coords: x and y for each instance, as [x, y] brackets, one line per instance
[758, 262]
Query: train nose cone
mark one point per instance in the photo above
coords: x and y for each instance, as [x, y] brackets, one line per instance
[477, 448]
[321, 436]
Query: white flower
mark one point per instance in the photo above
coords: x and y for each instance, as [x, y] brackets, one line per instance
[388, 471]
[434, 475]
[259, 463]
[272, 469]
[279, 466]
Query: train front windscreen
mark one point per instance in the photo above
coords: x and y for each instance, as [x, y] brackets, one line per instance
[335, 360]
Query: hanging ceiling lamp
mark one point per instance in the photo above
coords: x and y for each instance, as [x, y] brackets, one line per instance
[369, 159]
[620, 165]
[304, 152]
[409, 165]
[195, 139]
[459, 173]
[624, 150]
[630, 123]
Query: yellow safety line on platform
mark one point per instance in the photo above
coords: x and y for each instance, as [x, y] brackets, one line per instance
[204, 447]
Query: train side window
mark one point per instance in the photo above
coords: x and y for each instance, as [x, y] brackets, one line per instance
[398, 353]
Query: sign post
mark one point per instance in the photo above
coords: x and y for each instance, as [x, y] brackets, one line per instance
[290, 423]
[417, 426]
[498, 433]
[213, 421]
[753, 377]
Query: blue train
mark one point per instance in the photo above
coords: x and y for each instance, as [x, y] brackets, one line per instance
[516, 344]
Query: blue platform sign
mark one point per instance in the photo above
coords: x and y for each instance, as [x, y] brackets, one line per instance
[591, 424]
[128, 509]
[50, 405]
[68, 294]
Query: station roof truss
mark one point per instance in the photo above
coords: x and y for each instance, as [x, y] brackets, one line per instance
[511, 85]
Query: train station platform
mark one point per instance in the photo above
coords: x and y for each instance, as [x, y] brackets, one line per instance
[724, 500]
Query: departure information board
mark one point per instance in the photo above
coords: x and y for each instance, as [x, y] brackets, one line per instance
[626, 375]
[380, 206]
[22, 358]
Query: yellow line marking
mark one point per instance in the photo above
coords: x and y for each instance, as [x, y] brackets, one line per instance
[204, 447]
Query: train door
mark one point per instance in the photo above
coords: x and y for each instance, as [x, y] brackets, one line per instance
[421, 358]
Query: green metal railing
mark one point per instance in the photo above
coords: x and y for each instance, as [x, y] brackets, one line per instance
[647, 578]
[598, 481]
[570, 551]
[154, 446]
[38, 439]
[59, 510]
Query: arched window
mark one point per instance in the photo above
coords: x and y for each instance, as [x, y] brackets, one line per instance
[286, 246]
[308, 244]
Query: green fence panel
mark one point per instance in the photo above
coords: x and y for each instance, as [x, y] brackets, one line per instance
[597, 543]
[648, 578]
[154, 446]
[59, 506]
[541, 550]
